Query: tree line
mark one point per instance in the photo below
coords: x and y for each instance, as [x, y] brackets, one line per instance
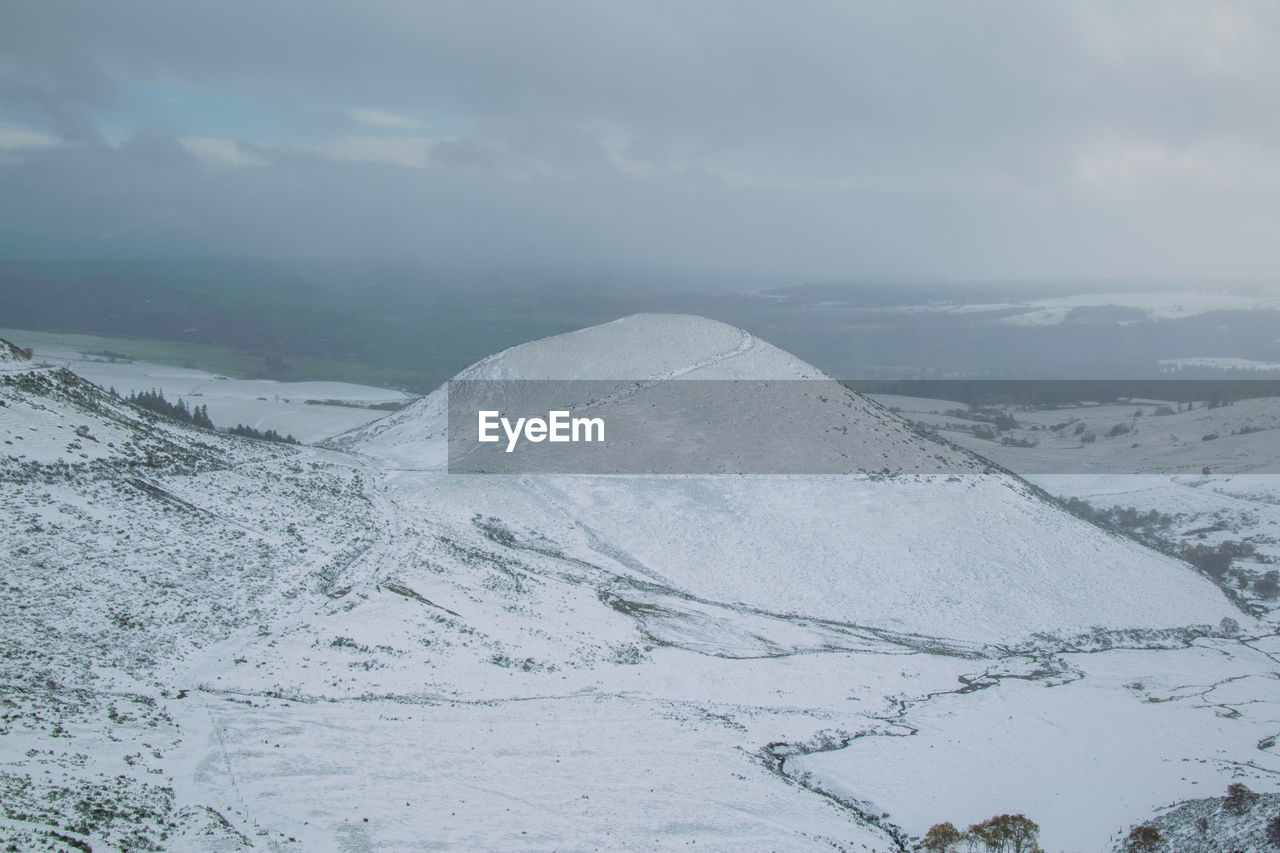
[154, 401]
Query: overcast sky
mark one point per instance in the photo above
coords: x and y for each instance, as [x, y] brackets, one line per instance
[793, 139]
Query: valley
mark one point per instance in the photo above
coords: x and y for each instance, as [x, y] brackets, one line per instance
[215, 643]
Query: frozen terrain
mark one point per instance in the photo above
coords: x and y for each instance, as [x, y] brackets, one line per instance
[1138, 437]
[213, 643]
[310, 411]
[1176, 364]
[1155, 304]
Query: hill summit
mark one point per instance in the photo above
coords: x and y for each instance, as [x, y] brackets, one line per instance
[968, 557]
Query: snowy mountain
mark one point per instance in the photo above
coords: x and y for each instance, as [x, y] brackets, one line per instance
[809, 423]
[969, 559]
[212, 643]
[651, 347]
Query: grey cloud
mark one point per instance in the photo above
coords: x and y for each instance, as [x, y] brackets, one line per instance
[713, 74]
[802, 139]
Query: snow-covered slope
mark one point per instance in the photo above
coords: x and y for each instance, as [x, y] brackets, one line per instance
[1130, 438]
[974, 558]
[129, 542]
[310, 411]
[216, 644]
[51, 416]
[651, 348]
[11, 356]
[641, 347]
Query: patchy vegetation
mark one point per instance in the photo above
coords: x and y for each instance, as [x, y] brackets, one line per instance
[1004, 833]
[1242, 820]
[269, 435]
[154, 401]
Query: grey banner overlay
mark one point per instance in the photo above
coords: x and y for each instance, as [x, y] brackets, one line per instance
[780, 427]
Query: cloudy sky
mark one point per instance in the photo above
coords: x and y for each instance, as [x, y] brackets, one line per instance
[797, 139]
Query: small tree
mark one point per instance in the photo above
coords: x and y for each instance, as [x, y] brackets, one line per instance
[1239, 798]
[1007, 834]
[200, 417]
[1268, 586]
[1143, 839]
[1273, 831]
[942, 838]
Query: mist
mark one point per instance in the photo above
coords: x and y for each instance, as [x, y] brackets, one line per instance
[801, 141]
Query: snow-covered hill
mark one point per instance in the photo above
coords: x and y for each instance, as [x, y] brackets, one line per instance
[650, 347]
[974, 558]
[211, 643]
[130, 542]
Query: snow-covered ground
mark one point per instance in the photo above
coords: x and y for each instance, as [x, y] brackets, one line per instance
[1134, 437]
[212, 643]
[1175, 364]
[1155, 305]
[310, 411]
[1086, 750]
